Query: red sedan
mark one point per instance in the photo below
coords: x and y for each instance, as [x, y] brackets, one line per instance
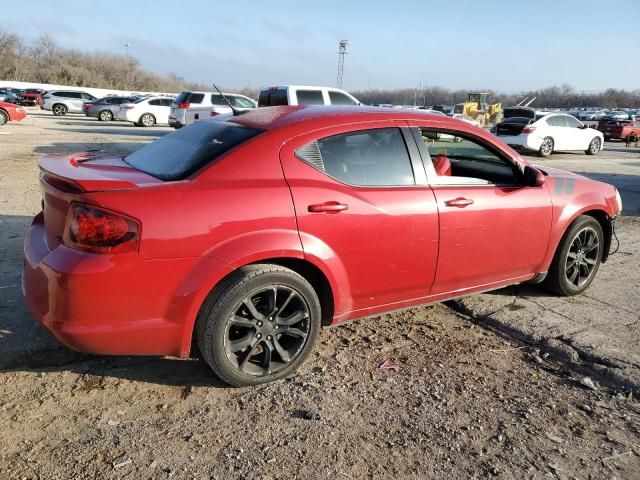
[11, 113]
[628, 130]
[251, 232]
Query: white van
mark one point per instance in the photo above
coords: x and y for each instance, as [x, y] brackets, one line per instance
[191, 106]
[304, 95]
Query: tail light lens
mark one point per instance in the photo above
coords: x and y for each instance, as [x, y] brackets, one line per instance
[528, 130]
[88, 105]
[96, 230]
[213, 114]
[184, 105]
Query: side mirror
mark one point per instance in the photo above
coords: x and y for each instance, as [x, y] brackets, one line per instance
[533, 177]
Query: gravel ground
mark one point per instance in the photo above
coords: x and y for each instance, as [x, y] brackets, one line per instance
[458, 399]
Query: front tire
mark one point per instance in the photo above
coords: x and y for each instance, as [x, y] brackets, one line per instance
[259, 325]
[546, 148]
[147, 120]
[4, 117]
[578, 257]
[59, 110]
[594, 146]
[105, 116]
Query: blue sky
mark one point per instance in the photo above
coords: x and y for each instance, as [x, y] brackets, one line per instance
[502, 45]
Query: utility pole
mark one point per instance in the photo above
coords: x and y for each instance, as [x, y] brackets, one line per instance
[342, 51]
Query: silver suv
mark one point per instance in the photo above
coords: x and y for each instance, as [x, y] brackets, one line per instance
[61, 102]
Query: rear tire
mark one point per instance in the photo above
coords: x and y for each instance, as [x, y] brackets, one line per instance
[577, 258]
[594, 146]
[105, 116]
[249, 345]
[546, 148]
[4, 117]
[59, 110]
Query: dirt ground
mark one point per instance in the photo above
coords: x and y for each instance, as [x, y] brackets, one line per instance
[460, 398]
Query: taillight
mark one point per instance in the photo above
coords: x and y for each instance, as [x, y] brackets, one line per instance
[95, 230]
[88, 105]
[184, 105]
[213, 114]
[528, 130]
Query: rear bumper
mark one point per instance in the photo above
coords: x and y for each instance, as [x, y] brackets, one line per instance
[519, 142]
[106, 304]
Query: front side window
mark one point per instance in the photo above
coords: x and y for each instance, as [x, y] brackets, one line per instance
[572, 122]
[460, 160]
[310, 97]
[338, 98]
[377, 157]
[241, 102]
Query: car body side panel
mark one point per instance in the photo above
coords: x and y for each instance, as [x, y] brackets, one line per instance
[386, 241]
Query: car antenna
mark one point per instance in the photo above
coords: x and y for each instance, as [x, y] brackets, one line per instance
[233, 109]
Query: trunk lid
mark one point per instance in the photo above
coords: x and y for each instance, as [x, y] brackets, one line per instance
[68, 178]
[523, 112]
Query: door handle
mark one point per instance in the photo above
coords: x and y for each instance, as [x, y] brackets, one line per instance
[328, 207]
[459, 202]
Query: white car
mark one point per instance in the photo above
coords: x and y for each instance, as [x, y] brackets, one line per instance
[191, 106]
[146, 111]
[546, 133]
[304, 95]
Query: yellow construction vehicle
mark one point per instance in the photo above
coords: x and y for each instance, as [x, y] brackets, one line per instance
[480, 108]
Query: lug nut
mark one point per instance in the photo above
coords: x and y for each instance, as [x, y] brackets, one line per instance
[259, 324]
[276, 327]
[258, 336]
[269, 337]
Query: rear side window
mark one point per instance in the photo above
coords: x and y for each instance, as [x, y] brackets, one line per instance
[376, 157]
[216, 99]
[572, 122]
[273, 98]
[310, 97]
[338, 98]
[179, 154]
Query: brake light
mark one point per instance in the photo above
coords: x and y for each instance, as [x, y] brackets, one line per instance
[184, 105]
[528, 130]
[96, 230]
[88, 105]
[213, 114]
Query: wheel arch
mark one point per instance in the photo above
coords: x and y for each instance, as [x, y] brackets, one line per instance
[600, 214]
[305, 268]
[155, 120]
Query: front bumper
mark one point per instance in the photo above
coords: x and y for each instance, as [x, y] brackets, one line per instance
[103, 304]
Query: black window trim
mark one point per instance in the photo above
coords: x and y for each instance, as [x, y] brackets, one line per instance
[427, 163]
[419, 176]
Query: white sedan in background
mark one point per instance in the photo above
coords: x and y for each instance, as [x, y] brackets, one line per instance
[546, 133]
[146, 111]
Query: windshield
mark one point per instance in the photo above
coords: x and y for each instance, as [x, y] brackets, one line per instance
[177, 155]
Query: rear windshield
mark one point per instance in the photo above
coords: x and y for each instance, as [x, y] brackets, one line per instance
[273, 98]
[177, 155]
[189, 97]
[521, 120]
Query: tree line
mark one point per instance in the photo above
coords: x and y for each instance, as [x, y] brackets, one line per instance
[552, 97]
[44, 61]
